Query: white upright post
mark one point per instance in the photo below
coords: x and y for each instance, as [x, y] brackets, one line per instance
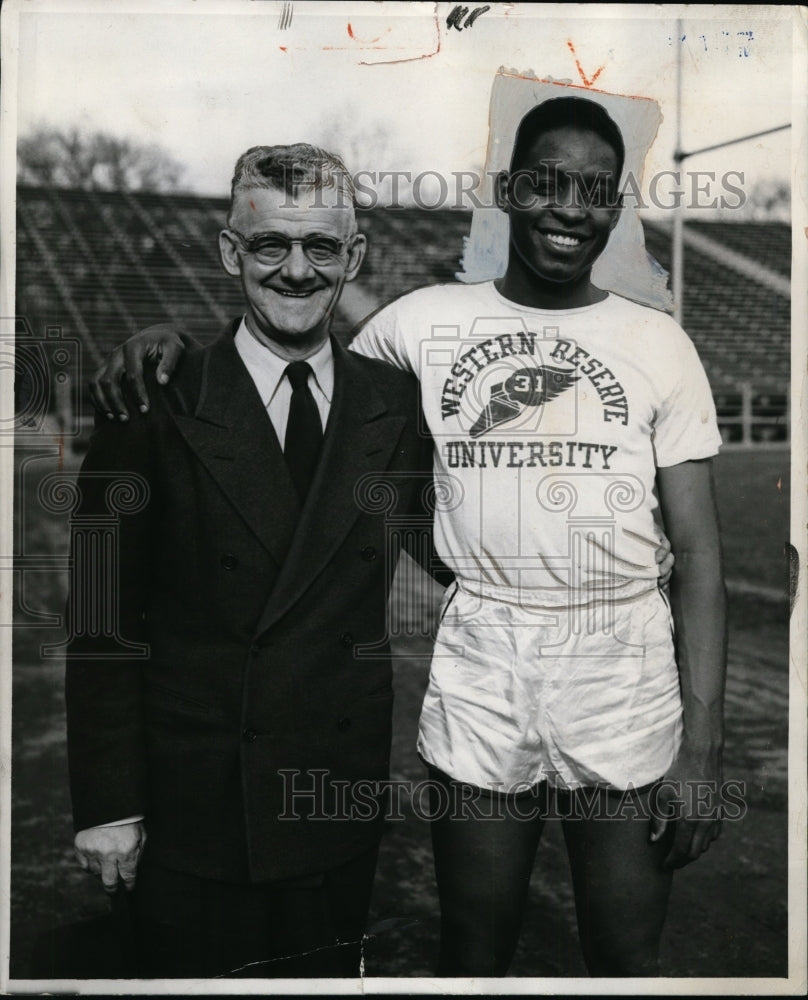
[677, 261]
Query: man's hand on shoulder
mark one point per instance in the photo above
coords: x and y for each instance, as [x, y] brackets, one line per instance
[162, 344]
[664, 561]
[112, 852]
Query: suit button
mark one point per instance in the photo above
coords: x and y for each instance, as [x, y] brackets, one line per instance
[346, 639]
[255, 649]
[228, 561]
[344, 725]
[249, 735]
[368, 553]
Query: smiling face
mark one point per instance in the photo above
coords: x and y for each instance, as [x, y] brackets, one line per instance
[560, 200]
[290, 304]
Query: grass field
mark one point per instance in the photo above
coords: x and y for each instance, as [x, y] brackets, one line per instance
[753, 498]
[737, 902]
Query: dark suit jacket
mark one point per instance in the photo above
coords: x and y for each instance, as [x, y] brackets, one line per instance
[254, 613]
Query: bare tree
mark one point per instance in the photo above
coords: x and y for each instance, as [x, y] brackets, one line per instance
[74, 158]
[362, 142]
[769, 200]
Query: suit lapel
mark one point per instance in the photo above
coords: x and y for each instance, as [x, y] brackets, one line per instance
[233, 436]
[360, 438]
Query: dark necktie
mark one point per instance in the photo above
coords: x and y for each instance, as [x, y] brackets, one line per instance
[304, 431]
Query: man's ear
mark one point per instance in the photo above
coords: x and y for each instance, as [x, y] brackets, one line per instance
[501, 183]
[356, 254]
[229, 253]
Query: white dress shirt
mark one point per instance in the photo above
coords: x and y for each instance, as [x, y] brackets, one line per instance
[267, 371]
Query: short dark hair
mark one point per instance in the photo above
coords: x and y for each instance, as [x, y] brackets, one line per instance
[560, 111]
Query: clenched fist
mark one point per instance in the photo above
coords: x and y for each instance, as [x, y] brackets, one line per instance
[112, 852]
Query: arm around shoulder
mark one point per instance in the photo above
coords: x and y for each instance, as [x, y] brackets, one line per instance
[162, 344]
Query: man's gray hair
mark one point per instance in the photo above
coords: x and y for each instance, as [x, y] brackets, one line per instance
[289, 168]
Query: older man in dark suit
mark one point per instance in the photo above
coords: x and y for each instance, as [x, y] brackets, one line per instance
[254, 571]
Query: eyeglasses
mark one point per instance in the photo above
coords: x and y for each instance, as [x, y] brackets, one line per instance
[274, 248]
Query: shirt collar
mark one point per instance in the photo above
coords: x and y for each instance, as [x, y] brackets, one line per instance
[267, 368]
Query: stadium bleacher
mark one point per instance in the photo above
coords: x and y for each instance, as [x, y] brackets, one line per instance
[101, 265]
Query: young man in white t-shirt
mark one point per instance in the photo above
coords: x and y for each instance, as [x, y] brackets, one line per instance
[569, 423]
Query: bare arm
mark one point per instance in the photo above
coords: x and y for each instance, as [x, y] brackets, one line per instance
[698, 601]
[162, 345]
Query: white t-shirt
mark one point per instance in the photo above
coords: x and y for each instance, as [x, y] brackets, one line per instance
[549, 426]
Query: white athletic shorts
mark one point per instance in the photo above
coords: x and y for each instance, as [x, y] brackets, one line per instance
[577, 696]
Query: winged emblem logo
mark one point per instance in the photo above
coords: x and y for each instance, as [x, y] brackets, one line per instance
[525, 387]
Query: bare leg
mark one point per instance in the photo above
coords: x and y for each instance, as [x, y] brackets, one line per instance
[483, 868]
[621, 891]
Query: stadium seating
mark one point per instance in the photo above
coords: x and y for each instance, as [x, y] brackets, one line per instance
[102, 265]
